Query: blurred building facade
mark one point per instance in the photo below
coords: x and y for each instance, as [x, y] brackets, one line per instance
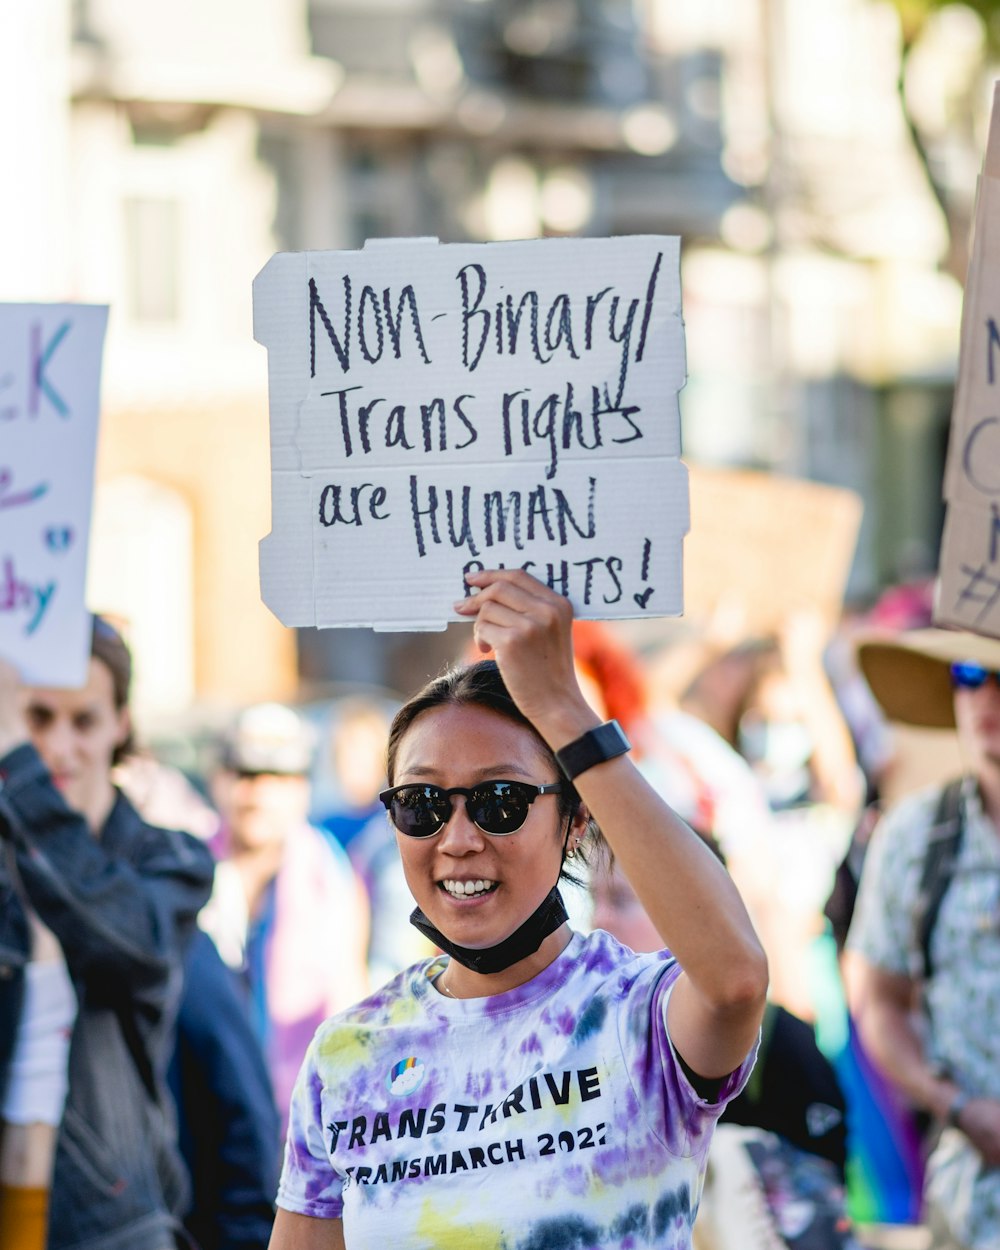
[166, 151]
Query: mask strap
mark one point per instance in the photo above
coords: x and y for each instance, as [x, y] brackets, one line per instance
[524, 941]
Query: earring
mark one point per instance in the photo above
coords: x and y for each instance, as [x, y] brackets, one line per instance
[571, 853]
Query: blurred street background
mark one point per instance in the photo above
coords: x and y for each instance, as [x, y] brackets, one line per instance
[818, 158]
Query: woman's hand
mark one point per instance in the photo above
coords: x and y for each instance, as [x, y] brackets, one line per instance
[530, 631]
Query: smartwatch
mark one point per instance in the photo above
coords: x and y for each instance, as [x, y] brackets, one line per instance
[606, 742]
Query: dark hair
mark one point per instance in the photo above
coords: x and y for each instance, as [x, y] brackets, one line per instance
[108, 646]
[480, 685]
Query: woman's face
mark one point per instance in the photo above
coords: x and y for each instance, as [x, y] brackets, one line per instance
[977, 716]
[456, 745]
[76, 733]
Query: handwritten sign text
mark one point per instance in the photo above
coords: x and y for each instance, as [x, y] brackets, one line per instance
[50, 366]
[441, 408]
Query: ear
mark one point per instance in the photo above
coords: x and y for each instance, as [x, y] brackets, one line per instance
[579, 823]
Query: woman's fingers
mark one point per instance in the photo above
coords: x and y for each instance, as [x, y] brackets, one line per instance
[515, 602]
[495, 626]
[520, 592]
[512, 586]
[529, 628]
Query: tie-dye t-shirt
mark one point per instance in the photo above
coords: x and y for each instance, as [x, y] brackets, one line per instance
[555, 1115]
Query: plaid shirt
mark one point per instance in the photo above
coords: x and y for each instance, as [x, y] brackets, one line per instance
[963, 994]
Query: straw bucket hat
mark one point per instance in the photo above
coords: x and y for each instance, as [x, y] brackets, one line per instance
[909, 674]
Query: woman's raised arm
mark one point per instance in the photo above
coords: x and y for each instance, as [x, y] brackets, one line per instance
[302, 1232]
[716, 1008]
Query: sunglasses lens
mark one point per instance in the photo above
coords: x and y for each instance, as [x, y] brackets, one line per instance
[497, 807]
[966, 675]
[419, 811]
[500, 807]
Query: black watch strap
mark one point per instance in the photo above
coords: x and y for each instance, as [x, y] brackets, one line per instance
[594, 747]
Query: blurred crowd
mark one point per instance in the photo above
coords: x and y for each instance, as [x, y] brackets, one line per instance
[772, 748]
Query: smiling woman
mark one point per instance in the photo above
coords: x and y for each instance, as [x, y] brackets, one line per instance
[473, 877]
[525, 1060]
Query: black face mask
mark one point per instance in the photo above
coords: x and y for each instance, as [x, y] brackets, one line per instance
[524, 941]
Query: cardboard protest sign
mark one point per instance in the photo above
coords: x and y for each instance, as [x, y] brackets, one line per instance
[796, 545]
[437, 408]
[968, 590]
[50, 372]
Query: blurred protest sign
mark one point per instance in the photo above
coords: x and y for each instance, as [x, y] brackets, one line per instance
[968, 591]
[50, 373]
[763, 546]
[437, 408]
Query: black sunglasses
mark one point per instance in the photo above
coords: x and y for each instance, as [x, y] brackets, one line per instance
[968, 675]
[496, 807]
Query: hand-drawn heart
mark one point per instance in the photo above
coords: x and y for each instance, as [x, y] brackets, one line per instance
[643, 599]
[59, 538]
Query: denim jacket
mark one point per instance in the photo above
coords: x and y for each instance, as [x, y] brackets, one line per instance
[122, 907]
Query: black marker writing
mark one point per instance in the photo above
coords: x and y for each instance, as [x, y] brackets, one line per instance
[513, 323]
[976, 459]
[559, 424]
[375, 316]
[429, 427]
[601, 577]
[520, 518]
[332, 504]
[992, 341]
[982, 589]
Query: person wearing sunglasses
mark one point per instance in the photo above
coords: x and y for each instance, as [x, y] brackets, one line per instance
[529, 1086]
[926, 927]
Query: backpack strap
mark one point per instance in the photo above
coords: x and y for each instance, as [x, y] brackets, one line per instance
[938, 869]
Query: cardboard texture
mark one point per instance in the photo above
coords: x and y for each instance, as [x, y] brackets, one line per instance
[968, 589]
[440, 407]
[762, 546]
[50, 376]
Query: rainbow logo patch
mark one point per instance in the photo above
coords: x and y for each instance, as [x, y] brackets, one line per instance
[405, 1077]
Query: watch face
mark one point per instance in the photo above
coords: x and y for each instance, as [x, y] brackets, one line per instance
[594, 747]
[610, 740]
